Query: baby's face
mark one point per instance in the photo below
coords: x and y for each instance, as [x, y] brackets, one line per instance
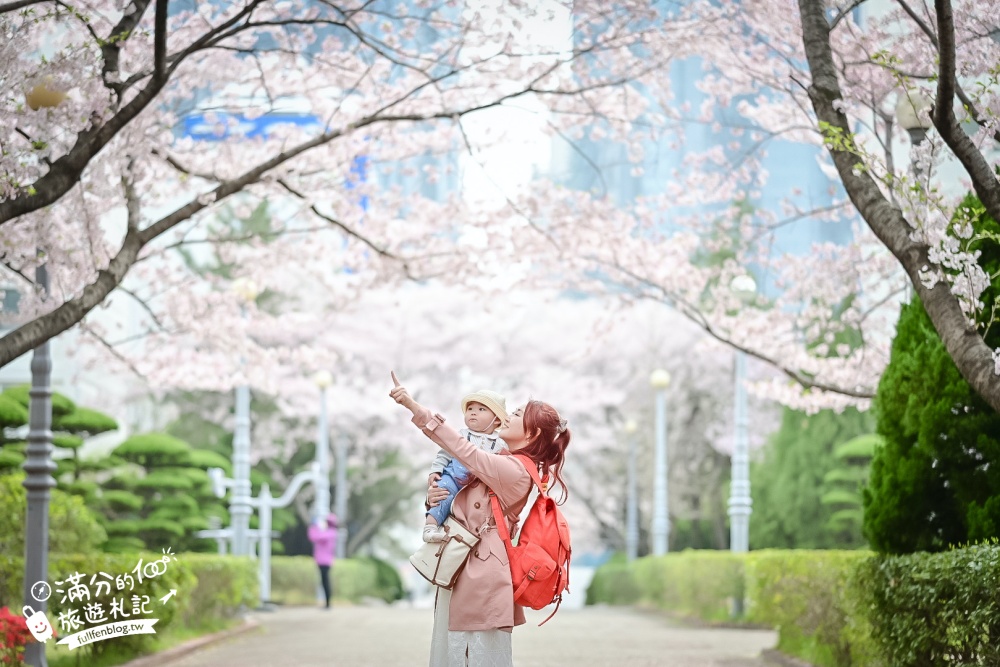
[480, 418]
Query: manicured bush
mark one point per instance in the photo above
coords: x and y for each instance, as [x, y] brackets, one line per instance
[295, 579]
[935, 609]
[703, 584]
[388, 583]
[809, 597]
[833, 608]
[226, 587]
[72, 527]
[614, 583]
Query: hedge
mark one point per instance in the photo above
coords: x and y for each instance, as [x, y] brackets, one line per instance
[935, 609]
[295, 579]
[833, 608]
[809, 596]
[211, 592]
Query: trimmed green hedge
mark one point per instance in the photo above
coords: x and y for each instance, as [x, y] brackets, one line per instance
[211, 592]
[295, 579]
[833, 608]
[701, 584]
[809, 596]
[935, 609]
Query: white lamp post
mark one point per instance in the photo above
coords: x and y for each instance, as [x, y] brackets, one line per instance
[239, 505]
[340, 501]
[265, 503]
[740, 501]
[911, 114]
[323, 380]
[660, 380]
[632, 503]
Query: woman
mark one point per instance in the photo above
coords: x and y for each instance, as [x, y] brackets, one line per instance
[473, 621]
[323, 535]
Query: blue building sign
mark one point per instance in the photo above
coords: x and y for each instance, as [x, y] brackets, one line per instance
[218, 126]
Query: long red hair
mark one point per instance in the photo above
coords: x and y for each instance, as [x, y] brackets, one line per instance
[547, 447]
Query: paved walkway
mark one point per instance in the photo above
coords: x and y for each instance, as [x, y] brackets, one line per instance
[390, 636]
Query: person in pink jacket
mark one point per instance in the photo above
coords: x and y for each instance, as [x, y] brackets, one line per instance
[474, 620]
[323, 535]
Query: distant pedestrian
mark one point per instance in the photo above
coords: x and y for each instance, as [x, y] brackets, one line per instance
[323, 535]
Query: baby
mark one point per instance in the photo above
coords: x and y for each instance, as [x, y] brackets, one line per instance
[484, 412]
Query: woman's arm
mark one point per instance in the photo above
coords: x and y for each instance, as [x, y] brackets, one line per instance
[504, 474]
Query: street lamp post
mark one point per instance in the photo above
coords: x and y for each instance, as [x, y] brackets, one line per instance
[239, 505]
[660, 380]
[38, 482]
[323, 380]
[740, 501]
[632, 504]
[265, 503]
[340, 503]
[911, 114]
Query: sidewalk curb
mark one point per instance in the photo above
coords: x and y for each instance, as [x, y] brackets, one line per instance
[176, 652]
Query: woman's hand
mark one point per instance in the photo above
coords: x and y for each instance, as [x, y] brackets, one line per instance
[435, 494]
[399, 394]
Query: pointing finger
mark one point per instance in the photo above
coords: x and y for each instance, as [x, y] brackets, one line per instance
[395, 380]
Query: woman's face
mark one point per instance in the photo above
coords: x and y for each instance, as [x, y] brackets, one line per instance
[512, 430]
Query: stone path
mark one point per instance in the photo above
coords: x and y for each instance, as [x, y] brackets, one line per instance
[390, 636]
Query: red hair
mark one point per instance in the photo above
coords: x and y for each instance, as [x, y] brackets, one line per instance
[547, 447]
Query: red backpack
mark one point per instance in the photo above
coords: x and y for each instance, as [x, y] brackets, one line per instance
[539, 562]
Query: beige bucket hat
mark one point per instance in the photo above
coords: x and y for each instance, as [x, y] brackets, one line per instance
[491, 399]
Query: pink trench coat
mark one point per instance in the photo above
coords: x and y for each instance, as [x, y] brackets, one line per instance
[483, 596]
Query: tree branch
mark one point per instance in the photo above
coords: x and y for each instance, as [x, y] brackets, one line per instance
[20, 4]
[965, 346]
[984, 180]
[845, 12]
[970, 106]
[160, 41]
[337, 223]
[112, 46]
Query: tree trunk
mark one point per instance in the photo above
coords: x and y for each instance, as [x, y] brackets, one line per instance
[965, 345]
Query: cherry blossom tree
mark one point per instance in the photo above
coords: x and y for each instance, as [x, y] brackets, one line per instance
[821, 77]
[803, 79]
[445, 341]
[96, 177]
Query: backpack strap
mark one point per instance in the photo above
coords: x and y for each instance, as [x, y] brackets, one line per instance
[532, 468]
[498, 514]
[499, 518]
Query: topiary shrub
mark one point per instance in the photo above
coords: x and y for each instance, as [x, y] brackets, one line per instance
[73, 528]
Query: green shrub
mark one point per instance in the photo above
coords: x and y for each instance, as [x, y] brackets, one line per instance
[701, 584]
[809, 597]
[613, 583]
[226, 587]
[388, 583]
[295, 579]
[935, 609]
[72, 527]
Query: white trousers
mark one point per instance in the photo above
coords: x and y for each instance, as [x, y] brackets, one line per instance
[482, 648]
